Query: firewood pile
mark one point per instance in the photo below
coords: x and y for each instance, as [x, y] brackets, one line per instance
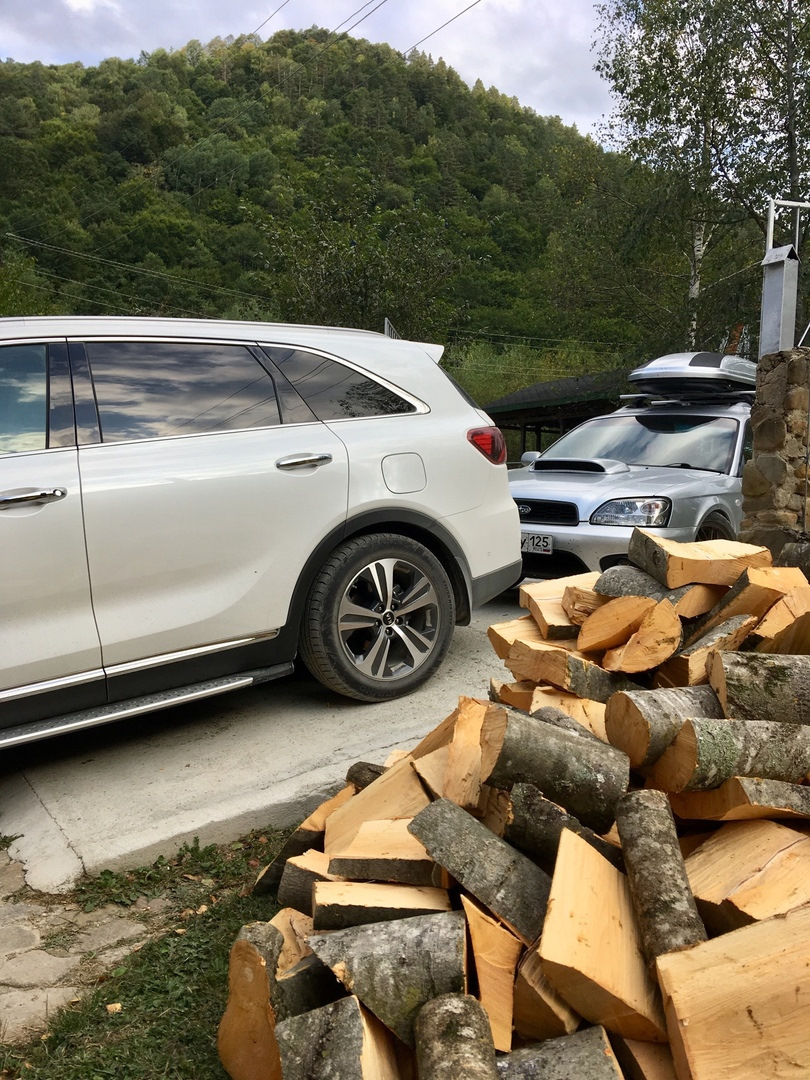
[603, 871]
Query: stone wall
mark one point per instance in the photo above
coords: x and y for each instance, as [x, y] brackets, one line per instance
[775, 482]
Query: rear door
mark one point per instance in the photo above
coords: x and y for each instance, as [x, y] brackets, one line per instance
[48, 637]
[201, 506]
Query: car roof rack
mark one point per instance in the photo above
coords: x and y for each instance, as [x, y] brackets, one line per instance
[707, 397]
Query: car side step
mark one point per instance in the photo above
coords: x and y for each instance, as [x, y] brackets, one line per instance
[106, 714]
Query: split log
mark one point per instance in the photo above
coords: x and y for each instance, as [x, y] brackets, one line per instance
[658, 637]
[590, 922]
[544, 663]
[688, 667]
[309, 985]
[643, 1060]
[554, 587]
[502, 879]
[496, 952]
[397, 793]
[535, 824]
[743, 799]
[689, 601]
[749, 871]
[531, 698]
[308, 835]
[739, 1006]
[453, 1039]
[786, 609]
[386, 851]
[246, 1039]
[586, 1055]
[710, 562]
[614, 623]
[552, 618]
[705, 753]
[469, 757]
[339, 904]
[583, 775]
[754, 592]
[643, 723]
[538, 1010]
[665, 907]
[394, 968]
[340, 1040]
[793, 640]
[757, 686]
[363, 773]
[579, 603]
[300, 874]
[502, 636]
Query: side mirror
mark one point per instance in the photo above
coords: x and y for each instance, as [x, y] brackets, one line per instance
[530, 457]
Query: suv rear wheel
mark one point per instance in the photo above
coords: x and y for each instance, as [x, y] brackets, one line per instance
[379, 618]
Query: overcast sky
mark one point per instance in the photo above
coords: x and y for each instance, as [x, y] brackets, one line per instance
[538, 51]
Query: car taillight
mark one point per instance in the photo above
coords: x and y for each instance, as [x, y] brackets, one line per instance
[490, 442]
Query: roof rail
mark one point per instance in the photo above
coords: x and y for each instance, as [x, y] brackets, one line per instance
[723, 397]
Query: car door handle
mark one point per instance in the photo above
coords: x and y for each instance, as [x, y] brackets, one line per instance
[302, 461]
[31, 495]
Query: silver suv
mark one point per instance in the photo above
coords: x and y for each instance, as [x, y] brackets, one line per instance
[185, 505]
[670, 461]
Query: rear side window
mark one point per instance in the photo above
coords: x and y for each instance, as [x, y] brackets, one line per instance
[334, 391]
[151, 390]
[23, 398]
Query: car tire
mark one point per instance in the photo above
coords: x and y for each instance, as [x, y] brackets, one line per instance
[352, 639]
[714, 527]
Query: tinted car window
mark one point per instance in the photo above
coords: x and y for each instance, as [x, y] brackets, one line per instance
[697, 442]
[148, 390]
[334, 391]
[23, 398]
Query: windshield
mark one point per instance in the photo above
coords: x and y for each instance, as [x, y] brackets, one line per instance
[696, 442]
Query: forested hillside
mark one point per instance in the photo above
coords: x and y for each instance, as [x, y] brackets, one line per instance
[315, 179]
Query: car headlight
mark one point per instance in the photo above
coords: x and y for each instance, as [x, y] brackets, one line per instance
[630, 512]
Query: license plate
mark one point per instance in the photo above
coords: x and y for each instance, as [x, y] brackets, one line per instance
[537, 544]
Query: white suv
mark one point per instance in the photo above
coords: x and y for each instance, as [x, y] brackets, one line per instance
[184, 504]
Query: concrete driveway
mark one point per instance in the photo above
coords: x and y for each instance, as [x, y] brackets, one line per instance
[119, 796]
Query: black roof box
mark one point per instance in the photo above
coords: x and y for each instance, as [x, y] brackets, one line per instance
[695, 374]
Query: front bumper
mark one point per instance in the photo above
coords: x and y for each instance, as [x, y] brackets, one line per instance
[595, 546]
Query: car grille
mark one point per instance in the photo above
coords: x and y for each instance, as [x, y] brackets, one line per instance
[547, 512]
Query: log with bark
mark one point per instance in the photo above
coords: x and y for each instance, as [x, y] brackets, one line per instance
[754, 593]
[583, 775]
[530, 698]
[662, 898]
[506, 882]
[386, 851]
[688, 667]
[396, 967]
[793, 639]
[338, 904]
[339, 1040]
[545, 663]
[246, 1039]
[552, 618]
[587, 1055]
[689, 601]
[710, 562]
[535, 824]
[744, 798]
[757, 686]
[502, 636]
[299, 876]
[453, 1040]
[614, 623]
[579, 603]
[705, 753]
[644, 722]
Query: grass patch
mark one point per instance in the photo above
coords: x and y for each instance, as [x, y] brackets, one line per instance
[172, 992]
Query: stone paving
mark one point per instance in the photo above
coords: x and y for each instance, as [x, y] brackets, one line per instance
[52, 952]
